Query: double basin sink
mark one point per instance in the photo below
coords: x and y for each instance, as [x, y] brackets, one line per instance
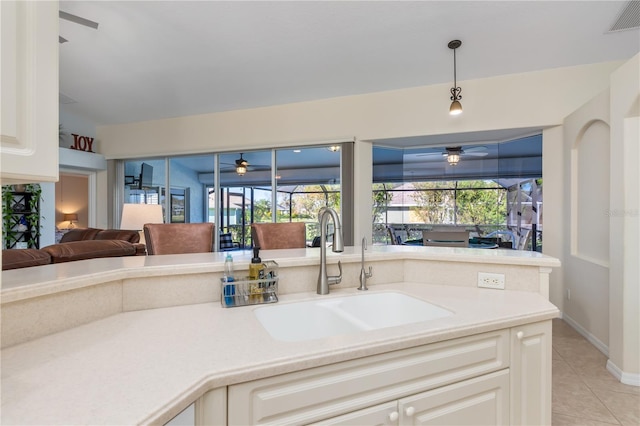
[314, 319]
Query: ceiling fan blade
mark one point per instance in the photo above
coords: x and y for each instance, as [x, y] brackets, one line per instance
[62, 40]
[475, 149]
[475, 154]
[78, 20]
[431, 154]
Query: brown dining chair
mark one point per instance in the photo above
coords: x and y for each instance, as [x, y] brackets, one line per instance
[178, 238]
[269, 236]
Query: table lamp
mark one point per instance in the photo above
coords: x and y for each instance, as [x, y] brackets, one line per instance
[134, 216]
[71, 217]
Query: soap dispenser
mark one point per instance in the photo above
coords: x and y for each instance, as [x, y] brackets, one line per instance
[256, 272]
[256, 268]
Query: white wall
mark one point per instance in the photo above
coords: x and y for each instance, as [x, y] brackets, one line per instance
[554, 194]
[624, 275]
[536, 99]
[586, 231]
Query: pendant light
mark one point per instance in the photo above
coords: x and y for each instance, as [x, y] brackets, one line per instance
[456, 106]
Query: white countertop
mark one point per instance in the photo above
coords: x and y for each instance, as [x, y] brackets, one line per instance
[146, 366]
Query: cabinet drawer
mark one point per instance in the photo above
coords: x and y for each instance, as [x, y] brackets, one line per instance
[319, 393]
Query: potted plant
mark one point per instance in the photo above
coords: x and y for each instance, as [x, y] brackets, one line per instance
[30, 218]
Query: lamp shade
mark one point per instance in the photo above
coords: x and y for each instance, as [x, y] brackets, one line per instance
[455, 108]
[71, 217]
[134, 216]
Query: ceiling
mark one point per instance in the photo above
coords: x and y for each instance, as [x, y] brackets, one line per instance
[151, 60]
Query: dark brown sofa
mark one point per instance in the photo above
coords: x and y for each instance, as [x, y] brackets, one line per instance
[77, 244]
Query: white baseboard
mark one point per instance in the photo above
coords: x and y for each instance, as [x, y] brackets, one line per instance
[626, 378]
[590, 337]
[632, 379]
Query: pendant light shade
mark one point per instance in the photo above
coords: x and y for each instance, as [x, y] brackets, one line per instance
[456, 106]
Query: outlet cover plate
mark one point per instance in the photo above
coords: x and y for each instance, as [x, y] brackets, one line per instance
[487, 280]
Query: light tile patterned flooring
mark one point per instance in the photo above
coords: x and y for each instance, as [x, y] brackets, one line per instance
[584, 392]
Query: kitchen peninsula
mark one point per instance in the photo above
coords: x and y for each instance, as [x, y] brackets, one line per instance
[138, 339]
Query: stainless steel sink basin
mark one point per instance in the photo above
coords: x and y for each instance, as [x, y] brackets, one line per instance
[314, 319]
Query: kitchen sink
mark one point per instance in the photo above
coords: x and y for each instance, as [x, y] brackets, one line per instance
[314, 319]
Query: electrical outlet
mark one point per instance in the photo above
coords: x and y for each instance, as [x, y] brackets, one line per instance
[486, 280]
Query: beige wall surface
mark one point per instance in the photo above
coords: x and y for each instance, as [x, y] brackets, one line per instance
[624, 297]
[72, 197]
[554, 194]
[586, 272]
[535, 99]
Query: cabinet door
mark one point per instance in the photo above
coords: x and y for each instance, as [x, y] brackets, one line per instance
[531, 374]
[483, 400]
[29, 87]
[313, 395]
[379, 415]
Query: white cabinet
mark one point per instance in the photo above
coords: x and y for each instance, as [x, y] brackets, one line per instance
[501, 377]
[482, 400]
[531, 374]
[320, 393]
[29, 91]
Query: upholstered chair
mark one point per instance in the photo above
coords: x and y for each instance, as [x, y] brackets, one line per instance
[269, 236]
[177, 238]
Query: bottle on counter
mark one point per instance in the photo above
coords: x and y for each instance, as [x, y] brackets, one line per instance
[256, 272]
[229, 289]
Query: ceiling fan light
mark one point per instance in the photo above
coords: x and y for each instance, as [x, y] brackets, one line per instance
[241, 169]
[455, 108]
[453, 158]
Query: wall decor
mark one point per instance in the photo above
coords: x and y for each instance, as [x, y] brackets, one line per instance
[82, 143]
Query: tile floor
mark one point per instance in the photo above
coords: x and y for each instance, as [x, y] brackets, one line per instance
[584, 392]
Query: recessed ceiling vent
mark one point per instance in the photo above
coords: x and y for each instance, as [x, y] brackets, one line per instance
[628, 19]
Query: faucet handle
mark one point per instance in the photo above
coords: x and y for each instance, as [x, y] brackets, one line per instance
[336, 279]
[370, 273]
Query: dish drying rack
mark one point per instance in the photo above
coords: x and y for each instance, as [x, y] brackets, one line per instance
[246, 292]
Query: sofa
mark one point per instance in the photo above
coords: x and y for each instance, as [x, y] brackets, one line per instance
[77, 244]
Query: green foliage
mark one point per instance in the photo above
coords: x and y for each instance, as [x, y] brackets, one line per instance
[305, 205]
[9, 234]
[466, 202]
[381, 200]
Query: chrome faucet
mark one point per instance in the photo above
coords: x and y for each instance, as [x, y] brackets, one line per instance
[364, 274]
[324, 280]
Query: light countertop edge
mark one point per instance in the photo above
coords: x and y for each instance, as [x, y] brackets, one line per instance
[19, 284]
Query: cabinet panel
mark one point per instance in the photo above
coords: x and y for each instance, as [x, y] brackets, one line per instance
[531, 374]
[29, 86]
[319, 393]
[480, 401]
[383, 414]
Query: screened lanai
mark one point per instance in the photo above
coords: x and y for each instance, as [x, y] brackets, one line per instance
[495, 187]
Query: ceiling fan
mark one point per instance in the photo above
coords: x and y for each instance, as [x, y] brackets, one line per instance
[241, 166]
[76, 19]
[454, 153]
